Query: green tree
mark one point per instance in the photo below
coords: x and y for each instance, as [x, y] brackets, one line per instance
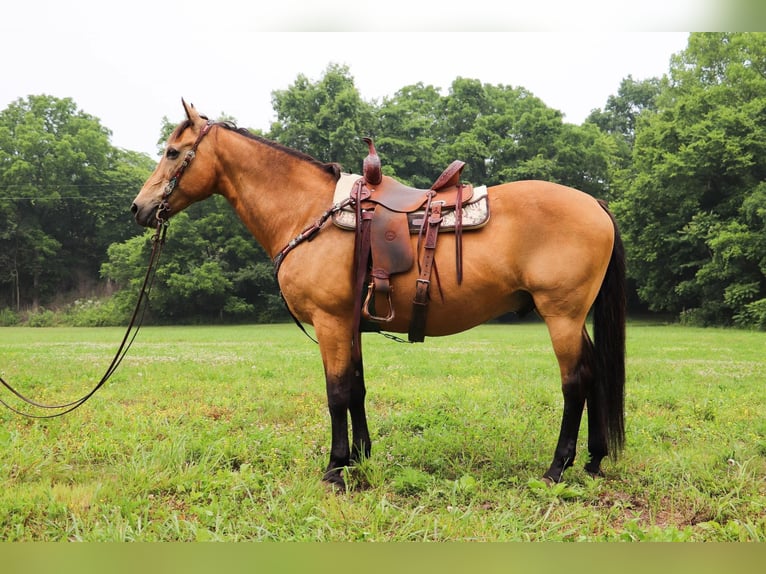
[513, 135]
[618, 121]
[325, 119]
[689, 216]
[411, 131]
[623, 110]
[211, 270]
[63, 191]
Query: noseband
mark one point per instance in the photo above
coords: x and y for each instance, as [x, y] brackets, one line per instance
[163, 210]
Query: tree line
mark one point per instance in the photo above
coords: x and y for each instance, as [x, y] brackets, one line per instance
[679, 158]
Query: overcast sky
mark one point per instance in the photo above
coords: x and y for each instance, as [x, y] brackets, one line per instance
[129, 63]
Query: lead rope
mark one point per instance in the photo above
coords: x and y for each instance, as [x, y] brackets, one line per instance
[134, 325]
[163, 214]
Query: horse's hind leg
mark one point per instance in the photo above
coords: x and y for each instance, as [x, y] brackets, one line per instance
[573, 354]
[597, 447]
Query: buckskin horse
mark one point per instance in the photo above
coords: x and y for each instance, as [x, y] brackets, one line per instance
[545, 247]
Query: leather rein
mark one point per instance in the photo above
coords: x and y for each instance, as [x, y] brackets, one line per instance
[158, 241]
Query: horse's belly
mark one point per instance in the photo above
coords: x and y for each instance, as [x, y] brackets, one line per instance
[453, 308]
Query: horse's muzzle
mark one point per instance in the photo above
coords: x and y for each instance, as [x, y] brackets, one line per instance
[147, 217]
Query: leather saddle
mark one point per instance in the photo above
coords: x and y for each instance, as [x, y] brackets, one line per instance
[384, 209]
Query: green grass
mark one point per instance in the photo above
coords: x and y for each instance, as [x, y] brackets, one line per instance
[208, 433]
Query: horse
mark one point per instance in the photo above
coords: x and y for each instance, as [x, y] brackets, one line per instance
[546, 247]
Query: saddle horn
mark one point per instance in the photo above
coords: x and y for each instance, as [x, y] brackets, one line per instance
[371, 165]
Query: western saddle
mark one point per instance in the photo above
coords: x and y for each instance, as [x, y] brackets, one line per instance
[386, 210]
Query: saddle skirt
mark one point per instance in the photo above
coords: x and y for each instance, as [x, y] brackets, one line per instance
[475, 212]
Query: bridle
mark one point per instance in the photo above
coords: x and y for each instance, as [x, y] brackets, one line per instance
[163, 209]
[158, 241]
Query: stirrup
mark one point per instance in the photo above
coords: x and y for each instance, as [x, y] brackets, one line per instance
[366, 305]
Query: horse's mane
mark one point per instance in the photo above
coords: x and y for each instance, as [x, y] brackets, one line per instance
[331, 168]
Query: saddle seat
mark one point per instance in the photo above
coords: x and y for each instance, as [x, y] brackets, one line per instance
[396, 196]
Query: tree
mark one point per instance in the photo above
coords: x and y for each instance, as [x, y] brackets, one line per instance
[622, 111]
[64, 192]
[690, 213]
[211, 270]
[411, 130]
[501, 132]
[326, 119]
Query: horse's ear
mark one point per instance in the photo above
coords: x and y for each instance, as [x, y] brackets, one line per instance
[191, 113]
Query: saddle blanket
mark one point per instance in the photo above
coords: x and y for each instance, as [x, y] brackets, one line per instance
[475, 213]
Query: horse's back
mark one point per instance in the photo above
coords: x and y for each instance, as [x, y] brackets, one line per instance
[542, 241]
[549, 221]
[548, 205]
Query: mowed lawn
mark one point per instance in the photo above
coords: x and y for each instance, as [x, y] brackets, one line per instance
[222, 433]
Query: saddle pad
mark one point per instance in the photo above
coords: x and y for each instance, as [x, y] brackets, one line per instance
[344, 186]
[475, 213]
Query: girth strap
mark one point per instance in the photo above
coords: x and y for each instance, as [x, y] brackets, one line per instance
[422, 289]
[361, 261]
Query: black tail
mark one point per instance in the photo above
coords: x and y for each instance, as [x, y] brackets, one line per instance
[609, 346]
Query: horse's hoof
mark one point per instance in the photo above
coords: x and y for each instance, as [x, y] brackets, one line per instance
[550, 478]
[334, 480]
[597, 473]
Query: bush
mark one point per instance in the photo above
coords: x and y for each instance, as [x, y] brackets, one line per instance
[692, 318]
[752, 316]
[95, 313]
[8, 317]
[42, 317]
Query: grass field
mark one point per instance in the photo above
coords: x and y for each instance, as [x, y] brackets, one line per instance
[208, 433]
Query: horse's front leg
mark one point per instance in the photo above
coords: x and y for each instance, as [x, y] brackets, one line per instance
[344, 377]
[360, 444]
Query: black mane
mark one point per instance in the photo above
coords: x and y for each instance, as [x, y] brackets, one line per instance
[331, 168]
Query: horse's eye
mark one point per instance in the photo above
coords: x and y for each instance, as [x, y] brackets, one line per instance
[171, 153]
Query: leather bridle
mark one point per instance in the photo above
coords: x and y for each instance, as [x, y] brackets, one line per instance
[163, 209]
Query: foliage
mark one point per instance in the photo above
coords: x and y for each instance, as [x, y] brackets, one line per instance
[501, 132]
[8, 317]
[325, 119]
[63, 192]
[692, 210]
[96, 313]
[211, 270]
[622, 111]
[41, 317]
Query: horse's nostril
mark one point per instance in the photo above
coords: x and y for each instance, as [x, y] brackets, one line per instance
[134, 208]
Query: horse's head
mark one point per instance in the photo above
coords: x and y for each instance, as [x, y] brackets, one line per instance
[166, 192]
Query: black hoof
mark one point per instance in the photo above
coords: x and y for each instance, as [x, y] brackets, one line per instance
[334, 478]
[555, 473]
[550, 479]
[594, 472]
[593, 468]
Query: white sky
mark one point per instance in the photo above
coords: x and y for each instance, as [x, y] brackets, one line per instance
[130, 63]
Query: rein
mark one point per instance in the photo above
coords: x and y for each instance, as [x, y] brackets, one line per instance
[158, 241]
[133, 326]
[305, 235]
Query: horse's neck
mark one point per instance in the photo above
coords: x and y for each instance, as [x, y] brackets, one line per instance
[275, 194]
